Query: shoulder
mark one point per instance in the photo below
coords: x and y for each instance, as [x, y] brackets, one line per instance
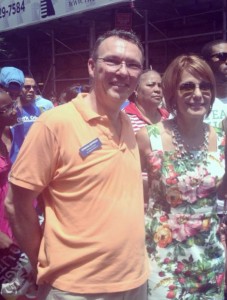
[219, 103]
[143, 140]
[130, 108]
[40, 101]
[58, 116]
[163, 112]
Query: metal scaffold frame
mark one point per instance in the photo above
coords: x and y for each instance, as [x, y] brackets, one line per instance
[52, 77]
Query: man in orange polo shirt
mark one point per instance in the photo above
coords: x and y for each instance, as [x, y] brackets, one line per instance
[83, 158]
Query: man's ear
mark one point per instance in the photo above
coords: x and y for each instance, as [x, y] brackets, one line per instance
[91, 67]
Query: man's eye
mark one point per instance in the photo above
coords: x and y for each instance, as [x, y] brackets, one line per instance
[112, 62]
[133, 66]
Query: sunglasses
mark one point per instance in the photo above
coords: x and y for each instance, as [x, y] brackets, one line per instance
[222, 56]
[28, 87]
[189, 87]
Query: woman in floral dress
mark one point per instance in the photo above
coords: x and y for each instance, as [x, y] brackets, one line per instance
[184, 158]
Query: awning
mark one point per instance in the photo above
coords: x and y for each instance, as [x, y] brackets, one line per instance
[21, 13]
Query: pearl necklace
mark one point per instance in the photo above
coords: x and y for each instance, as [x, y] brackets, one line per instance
[191, 155]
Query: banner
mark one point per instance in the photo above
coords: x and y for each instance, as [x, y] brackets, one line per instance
[21, 13]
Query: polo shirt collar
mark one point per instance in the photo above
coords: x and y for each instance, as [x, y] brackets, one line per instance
[86, 112]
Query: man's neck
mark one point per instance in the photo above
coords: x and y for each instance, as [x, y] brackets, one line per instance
[221, 90]
[113, 115]
[26, 104]
[149, 112]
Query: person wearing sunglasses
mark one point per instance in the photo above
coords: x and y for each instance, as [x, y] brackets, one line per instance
[27, 113]
[184, 158]
[30, 93]
[215, 54]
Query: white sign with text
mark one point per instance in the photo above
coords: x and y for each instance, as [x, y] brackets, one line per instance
[20, 13]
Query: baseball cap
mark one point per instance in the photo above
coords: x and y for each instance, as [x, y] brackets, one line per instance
[11, 75]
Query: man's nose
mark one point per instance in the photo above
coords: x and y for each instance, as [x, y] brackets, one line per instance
[123, 69]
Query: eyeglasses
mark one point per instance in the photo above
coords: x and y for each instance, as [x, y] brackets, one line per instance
[222, 56]
[28, 87]
[189, 87]
[116, 64]
[8, 108]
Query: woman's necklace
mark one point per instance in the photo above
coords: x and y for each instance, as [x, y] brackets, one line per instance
[193, 155]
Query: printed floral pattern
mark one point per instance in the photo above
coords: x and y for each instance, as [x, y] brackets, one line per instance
[186, 255]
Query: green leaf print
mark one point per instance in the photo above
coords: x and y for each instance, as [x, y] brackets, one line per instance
[153, 130]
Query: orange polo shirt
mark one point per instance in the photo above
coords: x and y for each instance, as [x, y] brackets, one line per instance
[93, 239]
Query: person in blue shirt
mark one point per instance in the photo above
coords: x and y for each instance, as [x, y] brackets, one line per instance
[27, 113]
[30, 92]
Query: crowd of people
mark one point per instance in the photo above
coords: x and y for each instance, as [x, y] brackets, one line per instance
[121, 192]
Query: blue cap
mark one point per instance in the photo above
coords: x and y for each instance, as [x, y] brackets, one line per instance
[11, 74]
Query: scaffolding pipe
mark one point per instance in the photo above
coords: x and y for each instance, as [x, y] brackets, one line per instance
[92, 35]
[53, 63]
[29, 53]
[146, 46]
[224, 16]
[189, 16]
[73, 52]
[12, 59]
[186, 36]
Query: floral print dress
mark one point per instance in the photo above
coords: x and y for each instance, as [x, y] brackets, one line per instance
[185, 251]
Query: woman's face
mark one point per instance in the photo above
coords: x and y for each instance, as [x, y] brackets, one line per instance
[193, 96]
[149, 89]
[8, 113]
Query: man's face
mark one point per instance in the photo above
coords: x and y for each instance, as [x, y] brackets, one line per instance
[115, 72]
[29, 91]
[218, 62]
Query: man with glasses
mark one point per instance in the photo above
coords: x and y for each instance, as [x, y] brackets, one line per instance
[30, 90]
[215, 53]
[27, 113]
[83, 159]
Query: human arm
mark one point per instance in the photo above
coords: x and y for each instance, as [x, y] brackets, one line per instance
[5, 241]
[222, 189]
[144, 149]
[24, 220]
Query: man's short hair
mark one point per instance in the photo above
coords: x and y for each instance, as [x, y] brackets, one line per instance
[129, 36]
[207, 48]
[11, 75]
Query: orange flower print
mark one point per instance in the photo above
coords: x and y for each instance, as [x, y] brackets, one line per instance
[205, 224]
[174, 197]
[163, 236]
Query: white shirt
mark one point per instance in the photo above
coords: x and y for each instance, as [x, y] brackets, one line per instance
[218, 113]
